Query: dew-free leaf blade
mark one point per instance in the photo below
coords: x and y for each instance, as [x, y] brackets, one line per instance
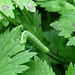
[71, 70]
[28, 4]
[71, 41]
[37, 67]
[60, 6]
[65, 25]
[12, 54]
[6, 6]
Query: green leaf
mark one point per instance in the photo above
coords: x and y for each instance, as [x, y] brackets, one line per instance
[5, 22]
[12, 55]
[71, 70]
[17, 18]
[66, 25]
[15, 33]
[71, 41]
[32, 22]
[28, 4]
[37, 67]
[7, 7]
[57, 6]
[53, 6]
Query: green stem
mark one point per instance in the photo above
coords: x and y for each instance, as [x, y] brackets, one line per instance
[40, 45]
[57, 58]
[9, 19]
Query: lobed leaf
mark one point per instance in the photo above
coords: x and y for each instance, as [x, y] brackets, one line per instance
[28, 4]
[66, 25]
[57, 6]
[7, 7]
[71, 41]
[37, 67]
[71, 70]
[12, 54]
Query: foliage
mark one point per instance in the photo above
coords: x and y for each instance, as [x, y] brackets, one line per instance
[60, 6]
[41, 69]
[7, 7]
[65, 25]
[28, 4]
[71, 70]
[12, 53]
[37, 40]
[32, 22]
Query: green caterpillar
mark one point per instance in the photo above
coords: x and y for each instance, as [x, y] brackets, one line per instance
[34, 40]
[27, 35]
